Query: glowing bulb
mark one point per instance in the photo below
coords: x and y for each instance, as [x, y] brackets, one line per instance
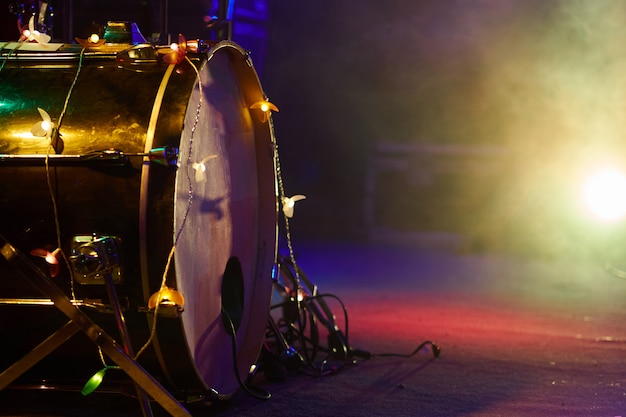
[50, 257]
[265, 107]
[289, 203]
[44, 127]
[35, 35]
[200, 168]
[94, 38]
[94, 382]
[174, 46]
[167, 296]
[604, 194]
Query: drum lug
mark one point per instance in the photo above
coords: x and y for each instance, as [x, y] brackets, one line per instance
[94, 256]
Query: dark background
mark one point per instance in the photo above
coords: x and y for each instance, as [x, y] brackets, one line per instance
[418, 117]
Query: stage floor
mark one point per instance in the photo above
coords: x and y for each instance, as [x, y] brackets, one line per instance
[519, 336]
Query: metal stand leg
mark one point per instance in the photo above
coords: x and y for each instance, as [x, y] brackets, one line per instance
[41, 351]
[79, 321]
[144, 401]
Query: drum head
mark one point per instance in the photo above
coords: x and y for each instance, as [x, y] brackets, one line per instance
[225, 220]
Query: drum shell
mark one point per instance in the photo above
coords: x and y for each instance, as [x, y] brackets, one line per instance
[112, 106]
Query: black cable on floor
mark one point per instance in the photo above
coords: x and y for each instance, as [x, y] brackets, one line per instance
[261, 394]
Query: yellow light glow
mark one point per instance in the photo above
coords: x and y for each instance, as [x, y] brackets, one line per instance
[166, 295]
[174, 46]
[604, 194]
[264, 106]
[51, 257]
[94, 38]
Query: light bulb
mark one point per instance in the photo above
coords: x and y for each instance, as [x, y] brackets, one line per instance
[289, 204]
[166, 295]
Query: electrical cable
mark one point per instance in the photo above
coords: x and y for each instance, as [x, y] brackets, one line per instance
[190, 195]
[435, 348]
[49, 179]
[311, 309]
[313, 314]
[263, 395]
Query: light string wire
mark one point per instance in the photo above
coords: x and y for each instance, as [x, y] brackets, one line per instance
[281, 197]
[190, 192]
[310, 293]
[55, 208]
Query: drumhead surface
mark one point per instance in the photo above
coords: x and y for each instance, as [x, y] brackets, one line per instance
[225, 201]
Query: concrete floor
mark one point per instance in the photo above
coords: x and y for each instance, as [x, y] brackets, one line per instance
[520, 336]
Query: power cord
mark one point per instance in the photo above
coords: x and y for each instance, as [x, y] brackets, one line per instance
[303, 327]
[261, 394]
[367, 355]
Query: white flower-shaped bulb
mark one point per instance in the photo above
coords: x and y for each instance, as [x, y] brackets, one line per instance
[44, 127]
[289, 204]
[35, 35]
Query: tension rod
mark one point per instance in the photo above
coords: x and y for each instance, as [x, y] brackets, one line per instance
[166, 156]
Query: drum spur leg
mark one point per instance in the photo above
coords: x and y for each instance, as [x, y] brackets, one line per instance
[78, 321]
[144, 401]
[38, 353]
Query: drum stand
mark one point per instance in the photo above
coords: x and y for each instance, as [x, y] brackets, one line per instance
[79, 321]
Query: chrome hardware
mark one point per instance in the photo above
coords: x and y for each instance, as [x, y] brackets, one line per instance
[95, 256]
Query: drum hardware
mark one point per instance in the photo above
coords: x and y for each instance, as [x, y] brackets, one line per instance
[167, 309]
[78, 321]
[96, 259]
[165, 156]
[302, 327]
[100, 257]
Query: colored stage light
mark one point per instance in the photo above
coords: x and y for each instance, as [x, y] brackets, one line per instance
[604, 194]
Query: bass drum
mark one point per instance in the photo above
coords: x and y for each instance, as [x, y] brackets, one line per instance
[202, 221]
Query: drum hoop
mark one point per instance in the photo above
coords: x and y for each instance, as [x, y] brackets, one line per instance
[246, 75]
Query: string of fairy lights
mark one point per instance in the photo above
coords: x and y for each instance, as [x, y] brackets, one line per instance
[47, 129]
